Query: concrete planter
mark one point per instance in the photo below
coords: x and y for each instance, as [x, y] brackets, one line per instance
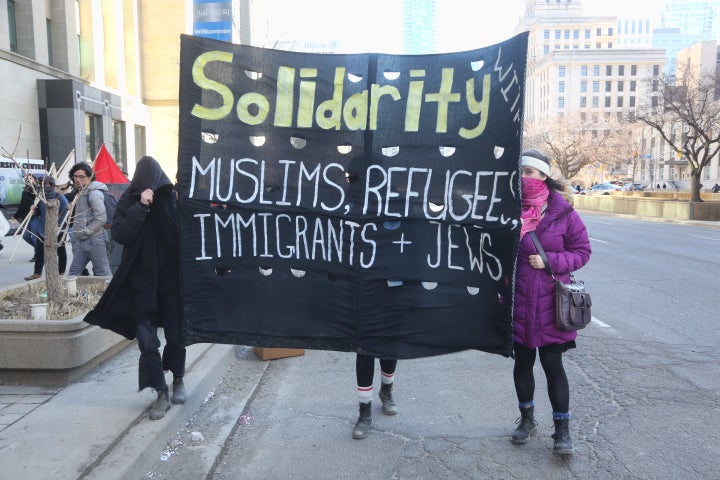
[54, 352]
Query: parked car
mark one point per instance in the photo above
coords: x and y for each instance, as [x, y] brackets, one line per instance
[601, 189]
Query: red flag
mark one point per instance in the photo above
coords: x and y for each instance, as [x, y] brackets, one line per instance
[105, 168]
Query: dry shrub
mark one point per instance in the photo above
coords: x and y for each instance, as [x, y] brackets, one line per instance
[15, 303]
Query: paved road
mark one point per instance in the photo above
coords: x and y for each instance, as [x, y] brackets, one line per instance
[643, 406]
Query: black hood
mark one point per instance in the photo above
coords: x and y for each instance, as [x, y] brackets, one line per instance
[148, 174]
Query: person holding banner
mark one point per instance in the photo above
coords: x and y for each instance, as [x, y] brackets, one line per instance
[365, 371]
[562, 234]
[144, 293]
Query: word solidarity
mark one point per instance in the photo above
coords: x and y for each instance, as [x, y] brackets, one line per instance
[365, 203]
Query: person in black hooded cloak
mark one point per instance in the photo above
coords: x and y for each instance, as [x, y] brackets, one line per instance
[144, 293]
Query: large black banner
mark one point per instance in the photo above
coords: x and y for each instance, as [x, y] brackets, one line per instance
[361, 202]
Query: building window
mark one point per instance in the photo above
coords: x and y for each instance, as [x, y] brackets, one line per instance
[633, 70]
[583, 86]
[567, 34]
[561, 102]
[119, 144]
[608, 86]
[632, 101]
[655, 86]
[48, 30]
[557, 34]
[561, 71]
[619, 101]
[610, 45]
[596, 102]
[596, 86]
[621, 70]
[633, 85]
[546, 49]
[12, 26]
[587, 33]
[598, 32]
[140, 150]
[656, 70]
[576, 34]
[583, 70]
[608, 102]
[546, 34]
[608, 70]
[93, 136]
[654, 102]
[596, 70]
[598, 45]
[620, 86]
[610, 31]
[583, 102]
[561, 87]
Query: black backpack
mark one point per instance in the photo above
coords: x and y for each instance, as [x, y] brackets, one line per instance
[110, 205]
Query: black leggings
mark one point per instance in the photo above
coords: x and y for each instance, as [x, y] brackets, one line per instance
[557, 382]
[365, 369]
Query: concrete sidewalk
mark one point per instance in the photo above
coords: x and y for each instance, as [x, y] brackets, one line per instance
[97, 427]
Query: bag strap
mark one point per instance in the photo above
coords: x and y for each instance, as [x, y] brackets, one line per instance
[542, 254]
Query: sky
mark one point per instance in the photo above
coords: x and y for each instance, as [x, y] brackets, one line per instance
[462, 24]
[490, 26]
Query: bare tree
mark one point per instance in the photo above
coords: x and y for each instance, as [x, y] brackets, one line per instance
[572, 142]
[52, 229]
[622, 146]
[687, 116]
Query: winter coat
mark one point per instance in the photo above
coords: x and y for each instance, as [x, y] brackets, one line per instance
[564, 238]
[42, 213]
[149, 268]
[89, 217]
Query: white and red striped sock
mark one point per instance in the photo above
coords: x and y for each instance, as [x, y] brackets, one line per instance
[365, 394]
[387, 378]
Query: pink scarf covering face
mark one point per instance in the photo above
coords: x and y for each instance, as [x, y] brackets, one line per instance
[534, 196]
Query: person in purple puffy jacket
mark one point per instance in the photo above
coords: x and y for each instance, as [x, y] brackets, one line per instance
[562, 234]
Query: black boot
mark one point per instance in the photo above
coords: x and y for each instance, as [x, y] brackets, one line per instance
[178, 395]
[389, 407]
[161, 405]
[526, 426]
[364, 422]
[563, 443]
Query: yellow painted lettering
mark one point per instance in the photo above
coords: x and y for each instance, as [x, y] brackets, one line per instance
[284, 97]
[198, 74]
[306, 102]
[443, 97]
[355, 111]
[414, 102]
[332, 106]
[243, 111]
[482, 107]
[376, 92]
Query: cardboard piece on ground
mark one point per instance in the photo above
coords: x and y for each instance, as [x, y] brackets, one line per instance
[266, 353]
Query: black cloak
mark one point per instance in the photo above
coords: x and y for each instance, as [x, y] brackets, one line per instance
[149, 266]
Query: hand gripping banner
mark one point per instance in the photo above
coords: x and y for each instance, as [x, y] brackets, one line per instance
[365, 202]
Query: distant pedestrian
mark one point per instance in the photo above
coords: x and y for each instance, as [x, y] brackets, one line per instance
[89, 220]
[365, 372]
[664, 186]
[40, 212]
[144, 293]
[562, 234]
[716, 188]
